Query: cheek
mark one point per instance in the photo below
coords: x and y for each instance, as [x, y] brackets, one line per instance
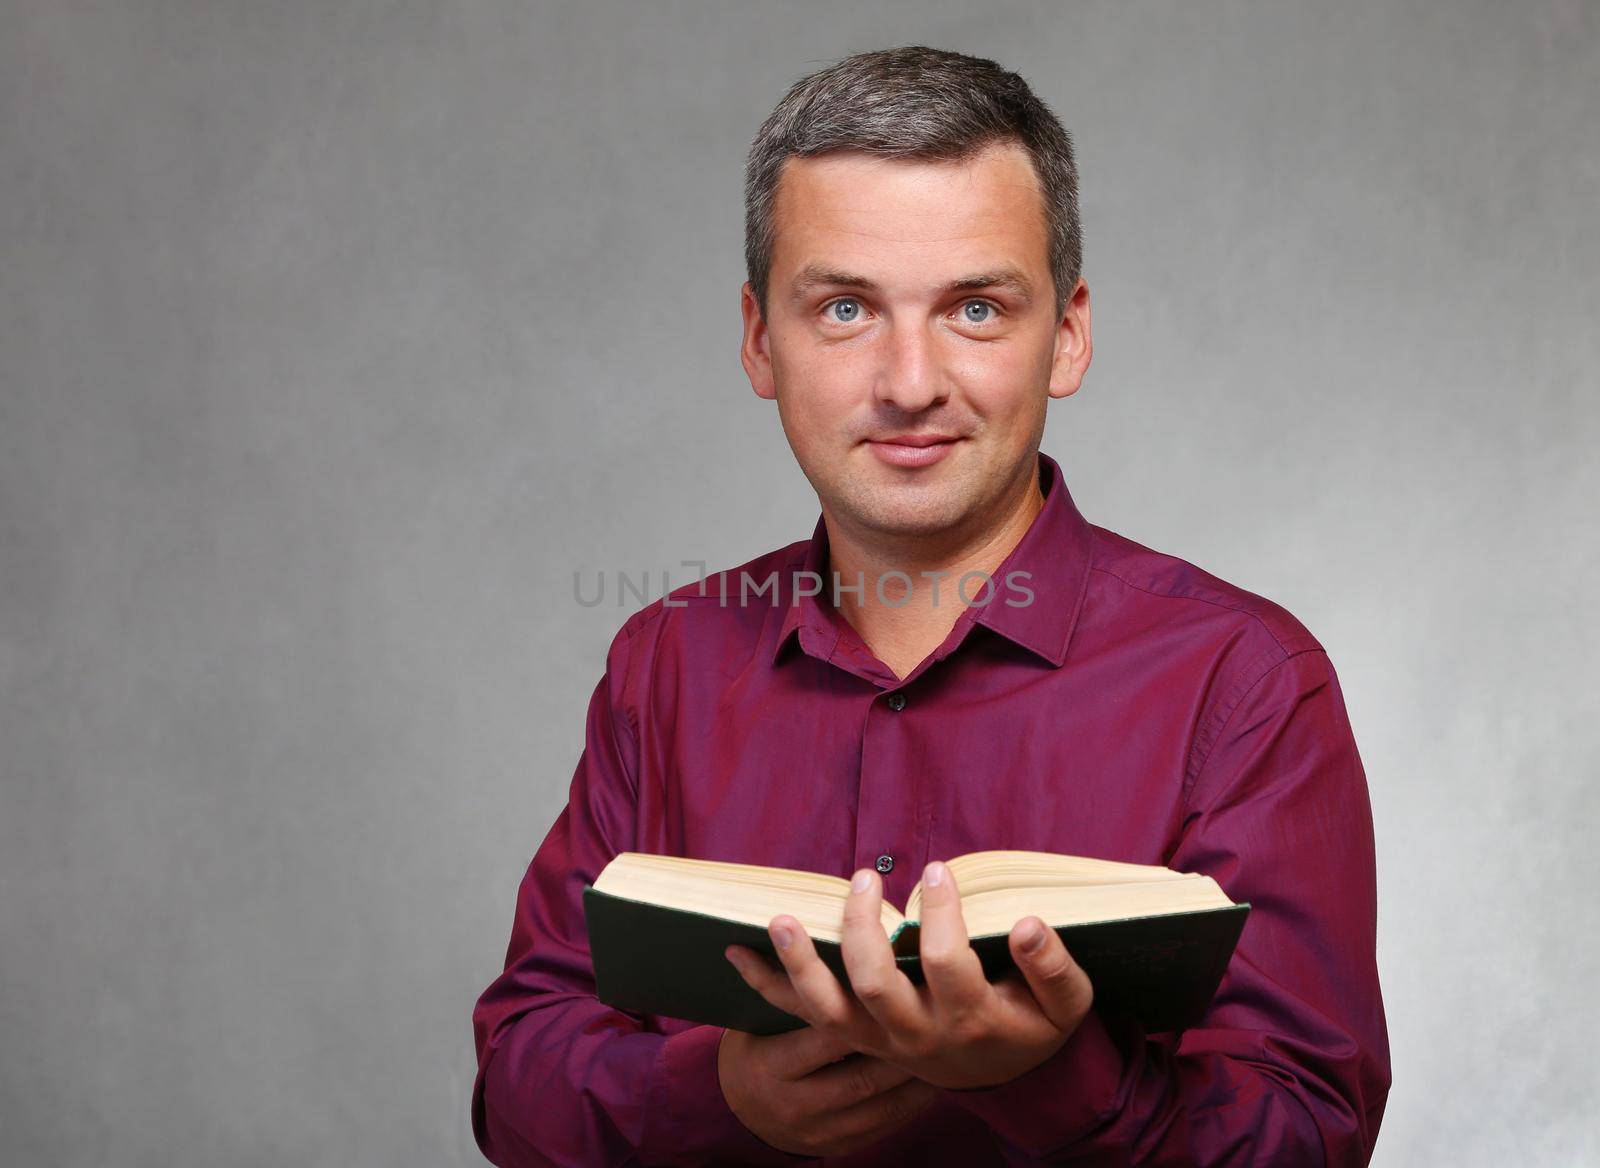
[818, 395]
[1005, 383]
[1007, 400]
[988, 368]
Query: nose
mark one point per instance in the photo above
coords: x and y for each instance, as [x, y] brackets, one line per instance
[912, 377]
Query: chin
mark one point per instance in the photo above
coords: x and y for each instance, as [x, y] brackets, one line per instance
[908, 510]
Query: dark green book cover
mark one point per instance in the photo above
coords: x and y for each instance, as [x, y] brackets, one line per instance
[1164, 970]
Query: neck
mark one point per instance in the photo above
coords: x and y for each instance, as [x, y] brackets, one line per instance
[914, 622]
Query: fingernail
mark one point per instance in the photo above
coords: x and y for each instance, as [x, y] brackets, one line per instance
[734, 958]
[1033, 938]
[782, 935]
[933, 875]
[862, 880]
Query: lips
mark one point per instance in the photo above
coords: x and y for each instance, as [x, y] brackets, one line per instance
[915, 439]
[911, 451]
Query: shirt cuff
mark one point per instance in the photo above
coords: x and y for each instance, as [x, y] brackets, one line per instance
[687, 1119]
[1058, 1102]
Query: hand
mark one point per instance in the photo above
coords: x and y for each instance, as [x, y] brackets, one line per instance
[809, 1093]
[958, 1030]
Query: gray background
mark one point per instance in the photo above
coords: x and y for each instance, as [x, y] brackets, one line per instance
[335, 337]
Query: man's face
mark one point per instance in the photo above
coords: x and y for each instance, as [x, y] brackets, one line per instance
[911, 340]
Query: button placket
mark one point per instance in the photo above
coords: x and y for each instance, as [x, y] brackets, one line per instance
[886, 825]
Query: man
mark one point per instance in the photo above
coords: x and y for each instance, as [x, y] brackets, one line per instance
[982, 669]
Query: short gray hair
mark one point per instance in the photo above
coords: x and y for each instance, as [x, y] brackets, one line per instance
[913, 102]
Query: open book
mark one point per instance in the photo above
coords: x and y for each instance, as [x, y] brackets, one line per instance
[1154, 942]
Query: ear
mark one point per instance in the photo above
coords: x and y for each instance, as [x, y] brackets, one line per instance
[754, 353]
[1074, 344]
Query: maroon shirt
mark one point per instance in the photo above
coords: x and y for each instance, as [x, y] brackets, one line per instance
[1137, 709]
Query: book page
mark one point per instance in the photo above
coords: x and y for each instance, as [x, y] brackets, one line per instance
[989, 871]
[997, 910]
[751, 893]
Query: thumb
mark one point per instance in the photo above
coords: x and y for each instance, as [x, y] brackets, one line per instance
[1059, 984]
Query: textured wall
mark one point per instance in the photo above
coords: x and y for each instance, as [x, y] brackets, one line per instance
[334, 337]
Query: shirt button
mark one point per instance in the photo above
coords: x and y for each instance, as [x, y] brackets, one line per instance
[885, 862]
[897, 701]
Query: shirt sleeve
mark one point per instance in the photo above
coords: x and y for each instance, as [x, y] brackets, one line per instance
[563, 1079]
[1290, 1064]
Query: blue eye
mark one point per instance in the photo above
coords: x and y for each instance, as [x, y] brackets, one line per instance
[987, 308]
[852, 310]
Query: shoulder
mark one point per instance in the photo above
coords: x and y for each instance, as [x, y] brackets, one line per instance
[1137, 586]
[715, 616]
[1227, 641]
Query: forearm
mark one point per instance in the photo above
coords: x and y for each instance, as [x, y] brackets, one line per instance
[576, 1083]
[1113, 1096]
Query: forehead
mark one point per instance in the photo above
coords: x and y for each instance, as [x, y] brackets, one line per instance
[849, 208]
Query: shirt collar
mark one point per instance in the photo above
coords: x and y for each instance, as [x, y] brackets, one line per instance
[1050, 562]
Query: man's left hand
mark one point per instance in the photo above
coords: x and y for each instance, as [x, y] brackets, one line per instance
[958, 1030]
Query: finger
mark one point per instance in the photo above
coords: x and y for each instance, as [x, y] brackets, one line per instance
[886, 993]
[818, 995]
[951, 968]
[794, 1054]
[770, 981]
[1059, 984]
[876, 1117]
[852, 1080]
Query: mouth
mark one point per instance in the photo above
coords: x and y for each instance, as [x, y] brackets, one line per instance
[912, 450]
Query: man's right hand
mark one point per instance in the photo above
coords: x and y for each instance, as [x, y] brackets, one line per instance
[808, 1093]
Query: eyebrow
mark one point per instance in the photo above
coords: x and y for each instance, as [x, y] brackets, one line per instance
[814, 276]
